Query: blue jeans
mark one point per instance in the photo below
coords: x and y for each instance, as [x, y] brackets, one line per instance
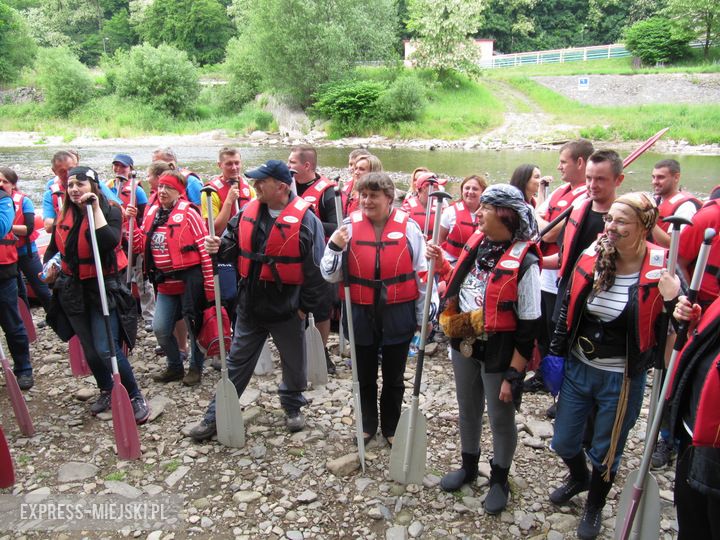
[31, 266]
[168, 310]
[13, 327]
[583, 387]
[90, 330]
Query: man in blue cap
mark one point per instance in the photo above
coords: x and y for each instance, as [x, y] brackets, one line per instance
[277, 243]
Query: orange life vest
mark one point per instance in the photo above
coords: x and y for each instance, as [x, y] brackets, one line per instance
[560, 199]
[18, 198]
[571, 233]
[668, 207]
[315, 192]
[464, 227]
[8, 250]
[180, 239]
[418, 212]
[223, 188]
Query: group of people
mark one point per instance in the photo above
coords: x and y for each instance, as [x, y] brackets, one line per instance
[511, 278]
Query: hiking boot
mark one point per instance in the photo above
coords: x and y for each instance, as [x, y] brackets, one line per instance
[569, 489]
[663, 454]
[497, 498]
[534, 384]
[193, 377]
[331, 369]
[204, 430]
[552, 411]
[102, 404]
[589, 527]
[141, 411]
[467, 474]
[169, 375]
[25, 381]
[295, 421]
[159, 350]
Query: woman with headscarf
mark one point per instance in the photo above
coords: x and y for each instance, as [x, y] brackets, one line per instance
[75, 285]
[492, 316]
[607, 331]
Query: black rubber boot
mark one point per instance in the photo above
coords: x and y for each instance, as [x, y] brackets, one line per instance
[497, 497]
[591, 522]
[467, 474]
[578, 481]
[331, 369]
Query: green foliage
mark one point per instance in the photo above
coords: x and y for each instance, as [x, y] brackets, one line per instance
[404, 100]
[701, 17]
[243, 78]
[163, 77]
[65, 82]
[299, 45]
[17, 48]
[655, 40]
[350, 105]
[201, 28]
[118, 32]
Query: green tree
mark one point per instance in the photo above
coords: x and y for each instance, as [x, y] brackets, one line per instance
[118, 32]
[655, 40]
[702, 17]
[65, 82]
[443, 32]
[201, 28]
[297, 45]
[17, 48]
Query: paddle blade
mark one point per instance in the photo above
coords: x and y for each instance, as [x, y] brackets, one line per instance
[78, 363]
[17, 400]
[264, 364]
[412, 440]
[315, 351]
[127, 438]
[27, 320]
[7, 471]
[228, 414]
[646, 522]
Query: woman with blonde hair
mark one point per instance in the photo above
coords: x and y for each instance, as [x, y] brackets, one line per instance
[607, 331]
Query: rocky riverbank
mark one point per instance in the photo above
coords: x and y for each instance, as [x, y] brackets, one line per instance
[282, 485]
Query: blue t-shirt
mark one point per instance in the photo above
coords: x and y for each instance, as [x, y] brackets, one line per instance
[7, 215]
[47, 202]
[194, 185]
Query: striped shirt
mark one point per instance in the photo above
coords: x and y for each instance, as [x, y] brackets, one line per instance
[607, 306]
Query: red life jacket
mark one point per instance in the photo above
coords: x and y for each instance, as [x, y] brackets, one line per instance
[350, 203]
[461, 232]
[86, 262]
[57, 190]
[18, 198]
[418, 212]
[180, 239]
[501, 290]
[668, 207]
[385, 266]
[706, 431]
[650, 302]
[223, 188]
[571, 233]
[560, 198]
[316, 191]
[282, 259]
[8, 250]
[710, 284]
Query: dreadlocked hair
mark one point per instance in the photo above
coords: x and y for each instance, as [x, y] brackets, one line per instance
[605, 264]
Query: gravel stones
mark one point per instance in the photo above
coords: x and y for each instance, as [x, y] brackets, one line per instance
[74, 471]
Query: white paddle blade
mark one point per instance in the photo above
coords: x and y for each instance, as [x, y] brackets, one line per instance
[315, 352]
[264, 364]
[646, 525]
[228, 415]
[417, 439]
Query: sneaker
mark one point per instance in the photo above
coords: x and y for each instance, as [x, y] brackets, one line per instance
[140, 409]
[552, 411]
[169, 375]
[589, 527]
[25, 381]
[204, 430]
[295, 421]
[102, 404]
[534, 384]
[663, 454]
[159, 350]
[193, 377]
[568, 490]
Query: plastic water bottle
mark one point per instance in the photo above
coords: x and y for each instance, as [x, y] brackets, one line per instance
[414, 345]
[55, 261]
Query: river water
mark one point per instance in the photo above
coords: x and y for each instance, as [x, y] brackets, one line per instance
[699, 173]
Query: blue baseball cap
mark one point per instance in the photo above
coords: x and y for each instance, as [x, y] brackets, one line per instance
[124, 159]
[273, 168]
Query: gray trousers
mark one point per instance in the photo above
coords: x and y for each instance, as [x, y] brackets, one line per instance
[473, 387]
[247, 344]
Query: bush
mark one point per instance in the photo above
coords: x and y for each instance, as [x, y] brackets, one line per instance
[657, 40]
[17, 48]
[404, 100]
[164, 77]
[350, 105]
[65, 82]
[243, 78]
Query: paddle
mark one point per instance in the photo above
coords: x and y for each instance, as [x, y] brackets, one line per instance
[316, 364]
[351, 338]
[78, 363]
[7, 471]
[22, 415]
[631, 498]
[409, 450]
[129, 272]
[228, 414]
[27, 320]
[127, 438]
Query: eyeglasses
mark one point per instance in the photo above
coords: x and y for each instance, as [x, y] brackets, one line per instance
[608, 219]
